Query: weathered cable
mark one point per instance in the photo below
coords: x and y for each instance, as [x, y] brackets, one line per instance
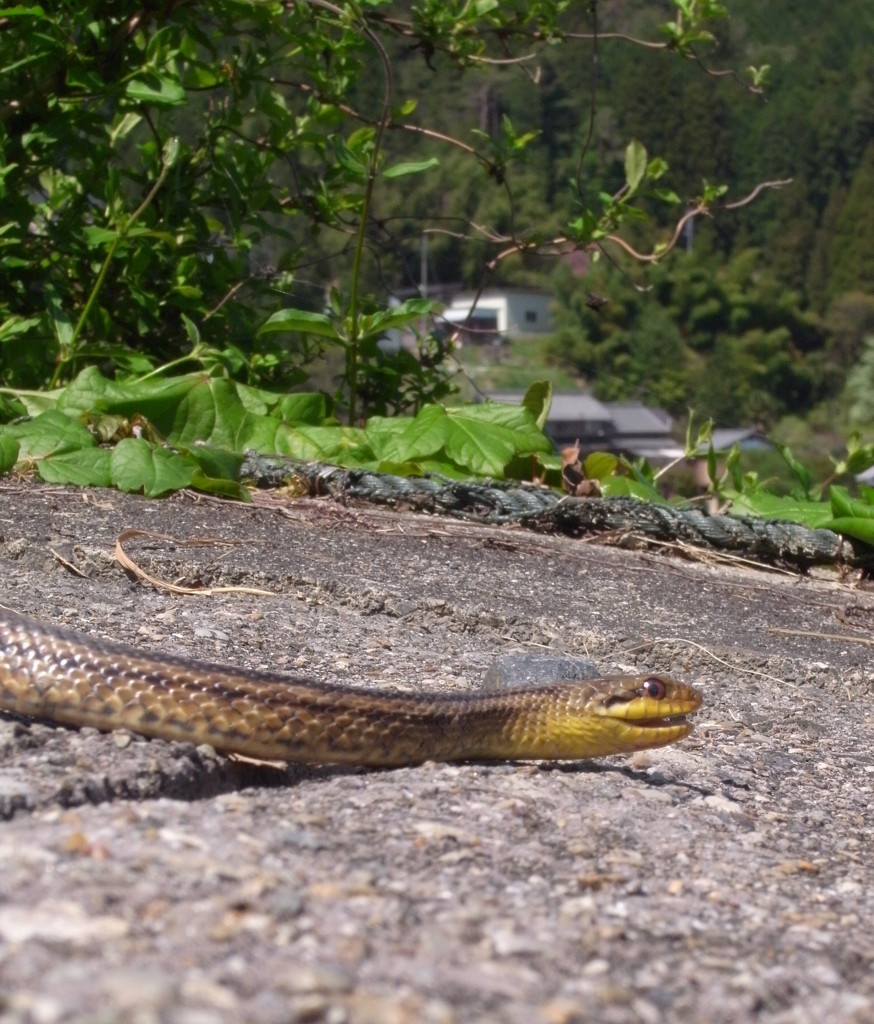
[630, 521]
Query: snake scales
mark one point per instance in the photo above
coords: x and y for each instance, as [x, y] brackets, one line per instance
[55, 673]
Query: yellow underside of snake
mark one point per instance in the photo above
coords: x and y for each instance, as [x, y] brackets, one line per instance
[54, 673]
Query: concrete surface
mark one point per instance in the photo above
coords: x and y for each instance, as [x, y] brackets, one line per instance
[726, 879]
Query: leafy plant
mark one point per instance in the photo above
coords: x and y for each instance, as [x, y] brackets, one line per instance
[193, 431]
[149, 165]
[171, 182]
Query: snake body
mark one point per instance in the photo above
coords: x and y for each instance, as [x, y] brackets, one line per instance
[51, 672]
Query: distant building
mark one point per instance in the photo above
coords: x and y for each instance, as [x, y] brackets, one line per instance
[573, 416]
[499, 314]
[746, 438]
[629, 428]
[641, 430]
[626, 427]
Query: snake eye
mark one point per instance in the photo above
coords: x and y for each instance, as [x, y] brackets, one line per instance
[654, 687]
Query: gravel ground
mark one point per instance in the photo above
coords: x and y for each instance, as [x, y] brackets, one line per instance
[727, 879]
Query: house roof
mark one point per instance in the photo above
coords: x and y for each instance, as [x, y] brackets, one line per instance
[635, 419]
[567, 406]
[630, 426]
[747, 437]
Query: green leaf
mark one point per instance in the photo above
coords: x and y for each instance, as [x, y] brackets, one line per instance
[96, 236]
[773, 506]
[849, 526]
[171, 149]
[60, 319]
[214, 414]
[192, 330]
[84, 468]
[383, 433]
[410, 167]
[11, 408]
[799, 471]
[480, 438]
[538, 400]
[843, 504]
[34, 11]
[859, 459]
[216, 462]
[139, 466]
[399, 316]
[667, 195]
[635, 165]
[160, 92]
[255, 400]
[600, 465]
[347, 446]
[157, 399]
[304, 407]
[656, 168]
[49, 433]
[348, 160]
[493, 422]
[8, 452]
[712, 466]
[16, 325]
[35, 402]
[220, 486]
[626, 487]
[300, 320]
[124, 126]
[421, 436]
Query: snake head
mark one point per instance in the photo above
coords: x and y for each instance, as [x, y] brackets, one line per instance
[639, 712]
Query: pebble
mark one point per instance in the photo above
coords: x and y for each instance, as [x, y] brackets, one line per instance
[516, 671]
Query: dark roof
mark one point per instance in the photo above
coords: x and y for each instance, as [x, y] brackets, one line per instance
[634, 418]
[725, 438]
[567, 406]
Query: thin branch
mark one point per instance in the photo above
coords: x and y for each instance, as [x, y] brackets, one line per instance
[407, 30]
[344, 108]
[561, 245]
[587, 36]
[499, 61]
[759, 188]
[654, 257]
[756, 90]
[700, 208]
[590, 130]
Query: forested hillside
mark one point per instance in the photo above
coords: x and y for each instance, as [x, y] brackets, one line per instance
[762, 310]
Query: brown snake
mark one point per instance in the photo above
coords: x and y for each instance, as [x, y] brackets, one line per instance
[55, 673]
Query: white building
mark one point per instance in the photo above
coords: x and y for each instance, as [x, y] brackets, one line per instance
[500, 313]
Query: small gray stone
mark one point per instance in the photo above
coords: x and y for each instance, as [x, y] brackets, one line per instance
[515, 671]
[15, 795]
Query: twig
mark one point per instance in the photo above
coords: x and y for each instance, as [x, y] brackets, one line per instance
[842, 637]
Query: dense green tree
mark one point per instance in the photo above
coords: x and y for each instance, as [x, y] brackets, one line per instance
[849, 319]
[791, 236]
[860, 387]
[754, 352]
[852, 245]
[820, 265]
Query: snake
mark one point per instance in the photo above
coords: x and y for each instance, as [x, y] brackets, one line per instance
[71, 678]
